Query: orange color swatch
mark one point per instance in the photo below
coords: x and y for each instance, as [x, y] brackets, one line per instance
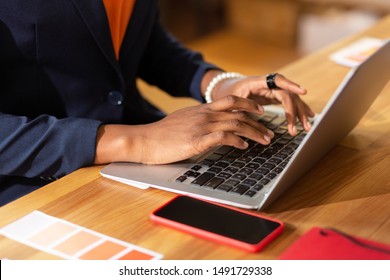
[136, 255]
[52, 233]
[77, 242]
[104, 251]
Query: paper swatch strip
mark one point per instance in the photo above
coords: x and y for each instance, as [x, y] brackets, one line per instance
[354, 54]
[70, 241]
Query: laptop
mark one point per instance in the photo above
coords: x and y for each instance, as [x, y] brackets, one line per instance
[255, 177]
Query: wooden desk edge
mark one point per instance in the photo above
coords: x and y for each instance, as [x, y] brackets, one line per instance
[48, 193]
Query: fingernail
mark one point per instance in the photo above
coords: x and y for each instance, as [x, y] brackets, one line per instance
[267, 138]
[294, 129]
[308, 124]
[270, 133]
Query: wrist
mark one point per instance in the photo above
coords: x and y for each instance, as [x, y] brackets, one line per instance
[117, 143]
[207, 77]
[216, 81]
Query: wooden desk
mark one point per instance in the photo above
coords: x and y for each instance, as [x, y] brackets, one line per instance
[349, 189]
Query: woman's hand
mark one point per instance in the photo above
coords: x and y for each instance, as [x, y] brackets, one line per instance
[184, 133]
[287, 94]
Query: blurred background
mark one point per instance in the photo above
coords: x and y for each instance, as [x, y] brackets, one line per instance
[256, 37]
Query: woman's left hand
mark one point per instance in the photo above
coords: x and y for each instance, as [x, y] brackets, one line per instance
[286, 93]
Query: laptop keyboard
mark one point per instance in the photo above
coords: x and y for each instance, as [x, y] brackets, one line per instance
[246, 172]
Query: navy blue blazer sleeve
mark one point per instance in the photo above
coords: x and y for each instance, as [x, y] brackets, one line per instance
[45, 146]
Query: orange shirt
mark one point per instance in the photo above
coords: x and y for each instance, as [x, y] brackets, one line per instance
[118, 13]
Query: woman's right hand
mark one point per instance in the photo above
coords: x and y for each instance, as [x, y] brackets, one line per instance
[184, 133]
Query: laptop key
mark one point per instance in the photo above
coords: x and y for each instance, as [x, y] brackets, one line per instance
[251, 154]
[275, 160]
[235, 154]
[249, 182]
[271, 175]
[196, 167]
[268, 153]
[259, 160]
[181, 179]
[232, 182]
[279, 120]
[281, 155]
[224, 188]
[272, 126]
[228, 159]
[283, 141]
[213, 157]
[293, 146]
[268, 117]
[258, 187]
[214, 182]
[245, 159]
[250, 193]
[206, 162]
[231, 169]
[287, 150]
[240, 189]
[222, 164]
[251, 143]
[262, 171]
[258, 149]
[191, 173]
[256, 176]
[269, 165]
[239, 176]
[288, 137]
[224, 175]
[202, 179]
[224, 150]
[278, 170]
[273, 149]
[214, 169]
[238, 164]
[280, 131]
[246, 171]
[253, 165]
[264, 181]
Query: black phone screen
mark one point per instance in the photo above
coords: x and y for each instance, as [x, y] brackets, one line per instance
[217, 219]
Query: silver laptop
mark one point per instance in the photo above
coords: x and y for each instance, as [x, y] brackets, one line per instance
[255, 177]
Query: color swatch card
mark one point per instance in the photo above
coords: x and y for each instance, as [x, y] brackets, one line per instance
[357, 52]
[69, 241]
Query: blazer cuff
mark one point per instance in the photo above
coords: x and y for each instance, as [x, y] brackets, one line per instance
[197, 79]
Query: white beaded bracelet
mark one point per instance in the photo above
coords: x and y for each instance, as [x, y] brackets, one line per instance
[216, 80]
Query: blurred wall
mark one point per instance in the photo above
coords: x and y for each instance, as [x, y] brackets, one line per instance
[191, 19]
[303, 24]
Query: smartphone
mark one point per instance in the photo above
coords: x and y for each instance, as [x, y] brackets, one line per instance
[220, 223]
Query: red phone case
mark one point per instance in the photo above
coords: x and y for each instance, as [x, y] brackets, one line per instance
[220, 238]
